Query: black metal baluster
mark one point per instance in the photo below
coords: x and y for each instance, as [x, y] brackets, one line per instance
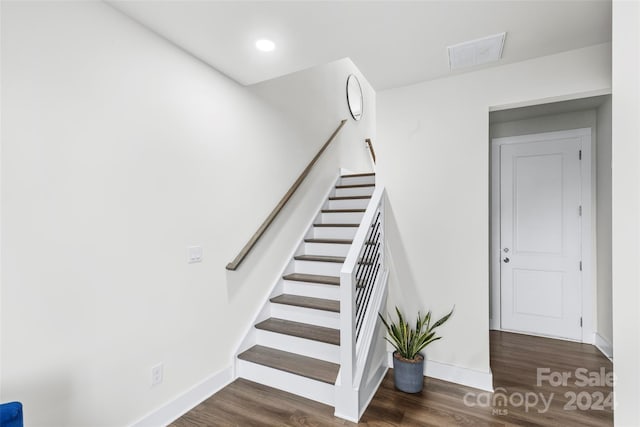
[367, 294]
[365, 259]
[367, 272]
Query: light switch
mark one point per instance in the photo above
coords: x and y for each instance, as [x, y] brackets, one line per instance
[194, 254]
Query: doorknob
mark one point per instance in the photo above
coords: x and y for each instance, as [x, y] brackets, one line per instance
[506, 260]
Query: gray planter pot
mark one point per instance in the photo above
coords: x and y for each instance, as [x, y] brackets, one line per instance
[408, 375]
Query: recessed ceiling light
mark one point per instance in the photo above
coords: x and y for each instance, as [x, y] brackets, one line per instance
[265, 45]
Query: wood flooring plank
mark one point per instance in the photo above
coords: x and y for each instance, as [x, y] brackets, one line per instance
[336, 225]
[320, 258]
[343, 210]
[308, 302]
[330, 241]
[308, 367]
[313, 278]
[358, 174]
[301, 330]
[355, 186]
[514, 361]
[349, 197]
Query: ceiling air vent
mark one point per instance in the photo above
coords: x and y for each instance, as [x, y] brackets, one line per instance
[476, 52]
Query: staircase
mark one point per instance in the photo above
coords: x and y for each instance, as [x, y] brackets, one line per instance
[295, 342]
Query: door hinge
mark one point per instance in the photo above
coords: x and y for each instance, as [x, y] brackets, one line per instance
[581, 322]
[580, 265]
[580, 210]
[579, 154]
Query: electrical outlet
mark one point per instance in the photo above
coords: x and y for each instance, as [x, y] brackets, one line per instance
[194, 254]
[157, 373]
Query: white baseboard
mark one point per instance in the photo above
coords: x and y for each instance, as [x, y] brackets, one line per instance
[604, 346]
[182, 404]
[456, 374]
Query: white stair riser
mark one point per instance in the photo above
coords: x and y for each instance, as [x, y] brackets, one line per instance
[341, 218]
[327, 319]
[314, 290]
[357, 191]
[357, 180]
[315, 349]
[316, 267]
[328, 249]
[334, 232]
[296, 384]
[349, 204]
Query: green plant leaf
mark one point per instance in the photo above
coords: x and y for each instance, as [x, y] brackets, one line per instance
[410, 342]
[443, 319]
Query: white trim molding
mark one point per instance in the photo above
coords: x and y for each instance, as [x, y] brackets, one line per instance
[604, 346]
[183, 403]
[551, 99]
[455, 374]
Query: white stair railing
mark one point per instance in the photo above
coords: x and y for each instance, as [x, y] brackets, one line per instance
[362, 293]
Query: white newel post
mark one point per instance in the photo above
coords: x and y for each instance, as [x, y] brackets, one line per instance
[346, 397]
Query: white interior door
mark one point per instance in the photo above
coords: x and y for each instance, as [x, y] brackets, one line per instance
[540, 237]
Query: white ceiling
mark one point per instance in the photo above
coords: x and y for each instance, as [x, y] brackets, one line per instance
[394, 43]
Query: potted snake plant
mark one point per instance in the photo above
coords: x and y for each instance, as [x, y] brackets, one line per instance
[408, 362]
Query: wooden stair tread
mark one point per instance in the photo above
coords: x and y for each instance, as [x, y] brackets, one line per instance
[332, 241]
[355, 186]
[336, 225]
[315, 369]
[308, 302]
[358, 174]
[343, 210]
[348, 197]
[320, 258]
[301, 330]
[313, 278]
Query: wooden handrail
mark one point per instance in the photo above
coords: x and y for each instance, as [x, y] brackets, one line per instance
[373, 153]
[233, 265]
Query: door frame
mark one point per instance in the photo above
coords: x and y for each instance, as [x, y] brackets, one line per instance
[588, 188]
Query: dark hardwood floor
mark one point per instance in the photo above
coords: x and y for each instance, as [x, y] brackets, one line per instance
[515, 360]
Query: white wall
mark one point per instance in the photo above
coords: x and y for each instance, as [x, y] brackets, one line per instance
[603, 250]
[316, 99]
[548, 123]
[118, 151]
[626, 211]
[434, 159]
